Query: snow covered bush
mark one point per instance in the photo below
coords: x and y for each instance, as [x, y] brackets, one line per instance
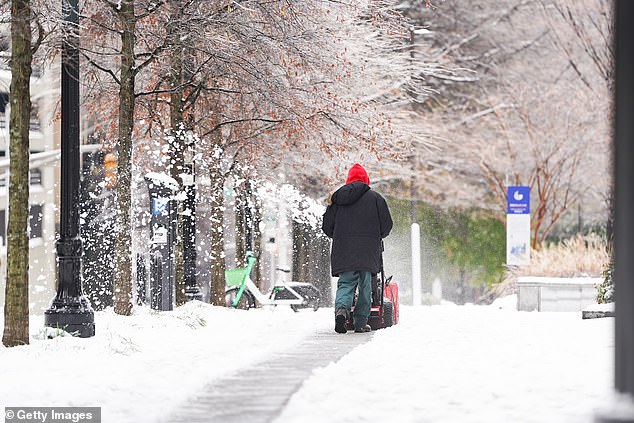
[606, 289]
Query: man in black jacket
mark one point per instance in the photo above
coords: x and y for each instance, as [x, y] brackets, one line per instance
[357, 219]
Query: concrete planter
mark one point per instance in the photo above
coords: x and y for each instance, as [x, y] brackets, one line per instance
[535, 293]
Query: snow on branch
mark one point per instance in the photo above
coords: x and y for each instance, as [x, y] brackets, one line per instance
[302, 208]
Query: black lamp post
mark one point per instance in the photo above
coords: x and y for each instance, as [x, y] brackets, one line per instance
[70, 310]
[623, 212]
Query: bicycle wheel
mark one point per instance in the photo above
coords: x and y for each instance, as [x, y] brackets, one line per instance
[246, 302]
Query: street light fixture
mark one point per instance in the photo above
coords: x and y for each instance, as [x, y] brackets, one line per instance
[70, 309]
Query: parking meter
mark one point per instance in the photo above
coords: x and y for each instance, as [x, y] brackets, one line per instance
[162, 189]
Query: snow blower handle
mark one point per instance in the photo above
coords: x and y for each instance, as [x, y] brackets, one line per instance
[382, 274]
[382, 270]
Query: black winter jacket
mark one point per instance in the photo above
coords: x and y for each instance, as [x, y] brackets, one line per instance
[357, 220]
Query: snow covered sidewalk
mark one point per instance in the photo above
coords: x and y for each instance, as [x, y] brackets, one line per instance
[258, 394]
[143, 367]
[440, 364]
[467, 364]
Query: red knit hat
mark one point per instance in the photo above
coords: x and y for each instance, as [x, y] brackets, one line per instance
[358, 174]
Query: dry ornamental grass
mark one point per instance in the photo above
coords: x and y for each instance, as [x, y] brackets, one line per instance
[579, 256]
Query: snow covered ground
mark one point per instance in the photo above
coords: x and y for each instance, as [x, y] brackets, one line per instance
[468, 364]
[440, 364]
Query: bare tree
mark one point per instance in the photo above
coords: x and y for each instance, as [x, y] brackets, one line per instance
[584, 30]
[176, 163]
[124, 20]
[591, 23]
[267, 84]
[514, 114]
[548, 168]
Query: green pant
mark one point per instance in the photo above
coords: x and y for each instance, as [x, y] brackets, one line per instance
[346, 286]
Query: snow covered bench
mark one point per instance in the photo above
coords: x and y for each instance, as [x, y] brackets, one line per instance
[555, 294]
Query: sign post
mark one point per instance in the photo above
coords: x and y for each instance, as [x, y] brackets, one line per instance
[518, 226]
[162, 189]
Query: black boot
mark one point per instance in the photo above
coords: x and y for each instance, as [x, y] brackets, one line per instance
[340, 320]
[363, 329]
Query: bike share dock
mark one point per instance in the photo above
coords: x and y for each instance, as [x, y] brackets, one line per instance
[260, 393]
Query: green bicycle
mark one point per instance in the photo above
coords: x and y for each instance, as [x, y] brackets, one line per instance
[242, 293]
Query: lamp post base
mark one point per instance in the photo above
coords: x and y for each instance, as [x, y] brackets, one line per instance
[193, 294]
[74, 316]
[620, 410]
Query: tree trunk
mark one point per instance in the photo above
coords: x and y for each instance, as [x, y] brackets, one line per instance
[312, 258]
[257, 243]
[123, 254]
[301, 251]
[324, 278]
[217, 242]
[240, 233]
[16, 308]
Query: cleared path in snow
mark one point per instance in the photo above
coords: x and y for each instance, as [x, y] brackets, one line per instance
[260, 392]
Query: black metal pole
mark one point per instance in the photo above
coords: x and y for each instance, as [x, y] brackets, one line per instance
[624, 198]
[192, 290]
[70, 310]
[623, 210]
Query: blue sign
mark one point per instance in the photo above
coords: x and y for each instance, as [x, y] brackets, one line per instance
[159, 205]
[518, 200]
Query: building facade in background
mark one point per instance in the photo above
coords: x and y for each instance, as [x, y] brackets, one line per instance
[44, 174]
